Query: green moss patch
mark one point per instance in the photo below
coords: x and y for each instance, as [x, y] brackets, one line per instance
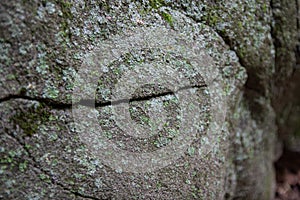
[29, 120]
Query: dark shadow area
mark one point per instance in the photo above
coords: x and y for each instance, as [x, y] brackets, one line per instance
[288, 176]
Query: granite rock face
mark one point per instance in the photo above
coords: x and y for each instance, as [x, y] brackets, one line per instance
[145, 99]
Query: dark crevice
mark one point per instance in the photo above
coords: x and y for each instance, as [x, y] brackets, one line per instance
[284, 98]
[225, 38]
[52, 179]
[88, 103]
[229, 43]
[253, 82]
[251, 90]
[298, 17]
[46, 101]
[287, 175]
[297, 50]
[91, 102]
[272, 32]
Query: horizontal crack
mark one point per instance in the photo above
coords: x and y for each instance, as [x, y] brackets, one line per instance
[48, 102]
[91, 102]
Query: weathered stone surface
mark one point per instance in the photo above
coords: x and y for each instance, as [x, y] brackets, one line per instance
[286, 87]
[46, 48]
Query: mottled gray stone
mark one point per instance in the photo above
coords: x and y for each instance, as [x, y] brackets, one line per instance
[45, 47]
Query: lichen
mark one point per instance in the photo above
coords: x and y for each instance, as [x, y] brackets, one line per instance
[167, 17]
[80, 28]
[29, 120]
[51, 92]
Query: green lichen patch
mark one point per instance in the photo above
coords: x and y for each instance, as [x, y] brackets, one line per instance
[65, 8]
[167, 17]
[66, 38]
[12, 157]
[137, 61]
[157, 3]
[30, 119]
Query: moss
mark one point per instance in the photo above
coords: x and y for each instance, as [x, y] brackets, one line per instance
[156, 4]
[158, 185]
[7, 159]
[28, 146]
[13, 160]
[50, 91]
[167, 17]
[212, 17]
[11, 77]
[23, 166]
[30, 120]
[67, 16]
[104, 5]
[297, 132]
[265, 8]
[191, 151]
[45, 177]
[65, 8]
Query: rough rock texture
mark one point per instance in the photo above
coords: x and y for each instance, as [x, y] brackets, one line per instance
[45, 46]
[286, 86]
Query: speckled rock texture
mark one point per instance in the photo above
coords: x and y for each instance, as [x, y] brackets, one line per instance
[286, 87]
[249, 50]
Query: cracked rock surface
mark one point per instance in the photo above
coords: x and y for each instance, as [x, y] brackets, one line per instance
[49, 49]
